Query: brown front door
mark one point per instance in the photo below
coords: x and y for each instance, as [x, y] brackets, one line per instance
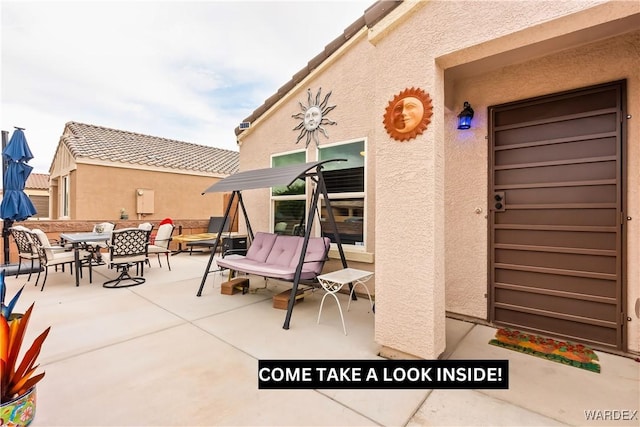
[556, 203]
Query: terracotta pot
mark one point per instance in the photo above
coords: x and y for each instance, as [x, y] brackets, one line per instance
[19, 411]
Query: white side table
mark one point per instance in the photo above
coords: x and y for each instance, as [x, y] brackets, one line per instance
[334, 281]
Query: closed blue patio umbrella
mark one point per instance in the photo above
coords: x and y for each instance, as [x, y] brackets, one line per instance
[18, 150]
[16, 205]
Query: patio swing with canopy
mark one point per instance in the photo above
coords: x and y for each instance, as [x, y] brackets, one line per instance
[273, 177]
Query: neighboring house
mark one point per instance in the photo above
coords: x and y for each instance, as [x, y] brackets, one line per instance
[97, 172]
[522, 220]
[37, 188]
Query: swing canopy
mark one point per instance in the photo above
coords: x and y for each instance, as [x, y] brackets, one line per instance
[265, 178]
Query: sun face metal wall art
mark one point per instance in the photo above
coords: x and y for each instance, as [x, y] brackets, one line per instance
[313, 117]
[408, 114]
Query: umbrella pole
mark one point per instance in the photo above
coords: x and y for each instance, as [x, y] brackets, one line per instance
[5, 223]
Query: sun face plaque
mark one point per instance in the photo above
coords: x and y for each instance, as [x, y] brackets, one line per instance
[313, 118]
[408, 114]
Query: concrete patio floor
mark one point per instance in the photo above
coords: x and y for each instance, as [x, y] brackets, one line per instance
[157, 355]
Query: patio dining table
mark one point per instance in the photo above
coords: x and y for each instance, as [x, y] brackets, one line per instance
[80, 239]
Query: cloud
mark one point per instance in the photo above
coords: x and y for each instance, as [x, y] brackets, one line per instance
[183, 70]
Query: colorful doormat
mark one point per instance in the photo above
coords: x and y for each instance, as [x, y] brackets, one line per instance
[558, 351]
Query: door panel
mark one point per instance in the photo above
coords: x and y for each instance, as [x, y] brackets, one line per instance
[556, 204]
[557, 237]
[582, 287]
[593, 217]
[568, 150]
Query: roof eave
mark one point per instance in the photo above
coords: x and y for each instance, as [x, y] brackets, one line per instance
[371, 17]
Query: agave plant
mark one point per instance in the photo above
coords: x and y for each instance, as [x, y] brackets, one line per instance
[7, 309]
[16, 377]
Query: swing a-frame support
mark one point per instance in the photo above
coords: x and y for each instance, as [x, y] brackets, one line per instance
[272, 177]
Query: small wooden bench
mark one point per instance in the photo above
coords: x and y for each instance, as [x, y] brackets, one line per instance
[233, 286]
[281, 301]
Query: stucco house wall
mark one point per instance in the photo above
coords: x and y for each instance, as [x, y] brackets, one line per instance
[175, 195]
[427, 197]
[100, 192]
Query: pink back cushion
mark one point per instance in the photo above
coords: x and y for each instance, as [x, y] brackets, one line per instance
[261, 246]
[315, 256]
[285, 251]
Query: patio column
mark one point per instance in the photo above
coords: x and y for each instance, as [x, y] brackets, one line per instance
[410, 244]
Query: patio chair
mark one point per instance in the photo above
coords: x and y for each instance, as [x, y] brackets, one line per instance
[153, 235]
[26, 249]
[161, 243]
[146, 226]
[212, 228]
[166, 221]
[128, 247]
[51, 255]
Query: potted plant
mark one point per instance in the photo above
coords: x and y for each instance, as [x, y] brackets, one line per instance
[17, 379]
[124, 214]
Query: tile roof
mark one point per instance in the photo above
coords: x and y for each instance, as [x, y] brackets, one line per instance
[112, 145]
[372, 15]
[38, 181]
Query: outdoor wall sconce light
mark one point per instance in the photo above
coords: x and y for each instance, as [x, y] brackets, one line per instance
[465, 116]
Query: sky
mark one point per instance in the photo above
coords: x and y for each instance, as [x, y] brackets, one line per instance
[190, 71]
